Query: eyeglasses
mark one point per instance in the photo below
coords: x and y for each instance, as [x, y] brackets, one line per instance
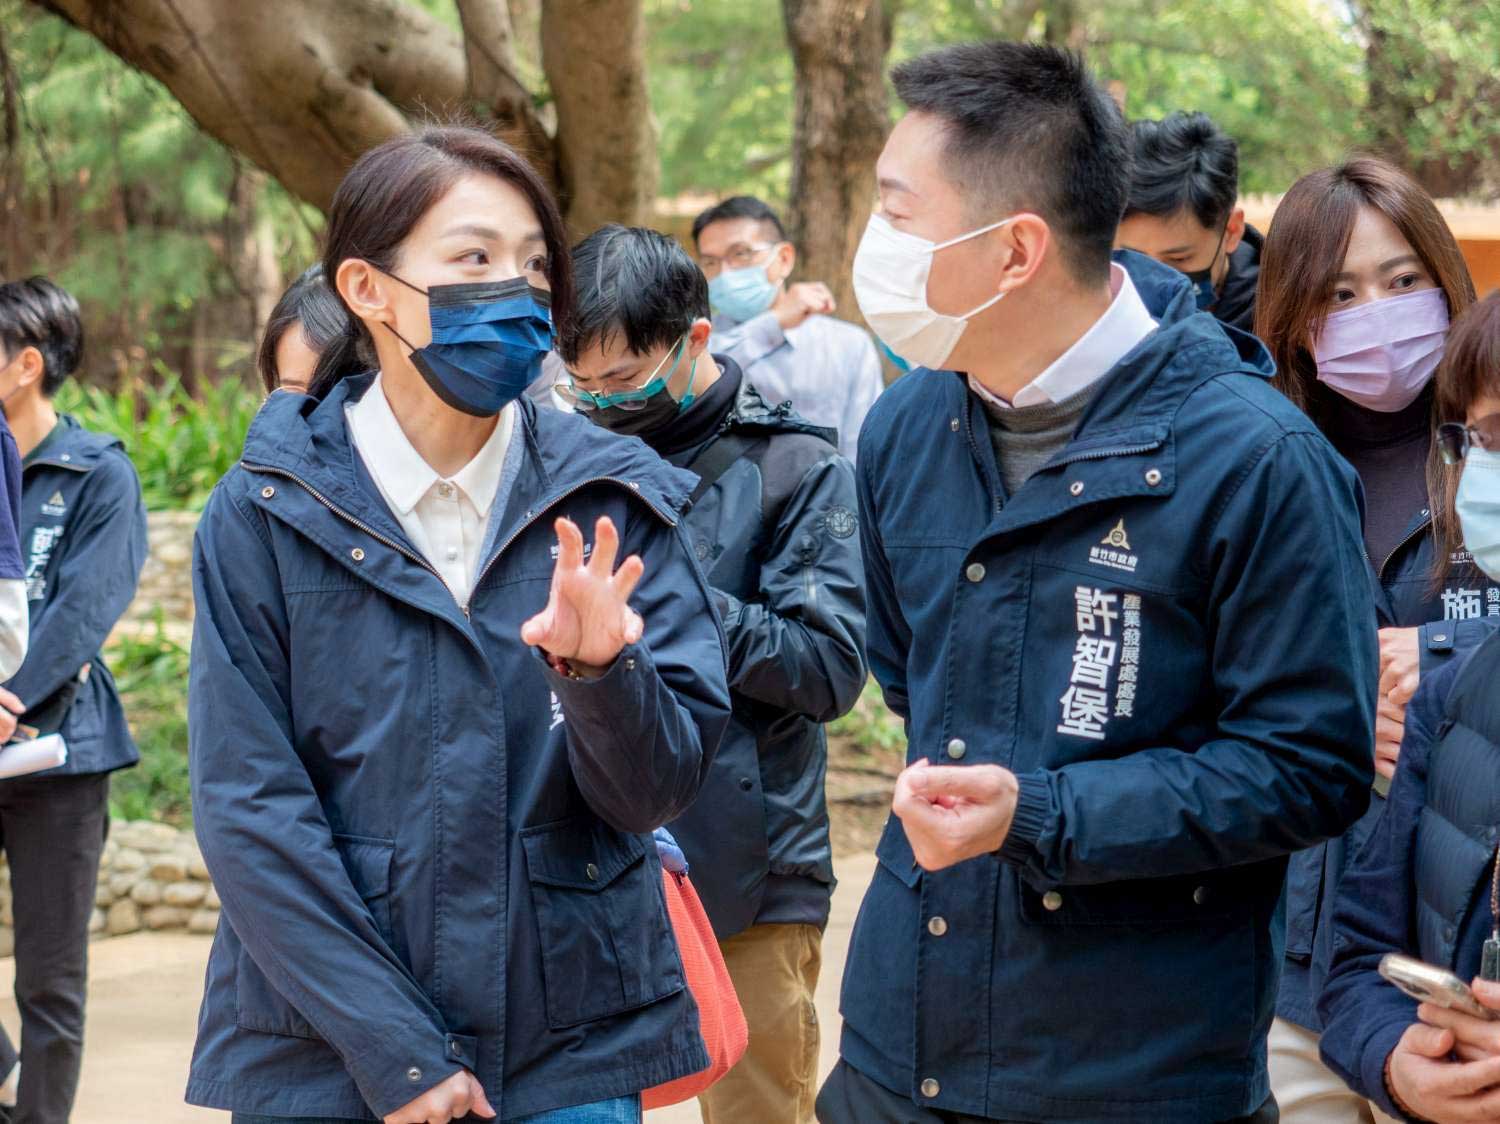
[1455, 439]
[630, 397]
[739, 256]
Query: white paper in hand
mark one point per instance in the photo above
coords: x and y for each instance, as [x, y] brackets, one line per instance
[19, 758]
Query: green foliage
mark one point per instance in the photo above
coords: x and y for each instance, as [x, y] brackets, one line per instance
[871, 730]
[181, 443]
[151, 672]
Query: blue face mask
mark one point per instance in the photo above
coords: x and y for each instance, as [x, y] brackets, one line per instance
[742, 294]
[1478, 505]
[488, 340]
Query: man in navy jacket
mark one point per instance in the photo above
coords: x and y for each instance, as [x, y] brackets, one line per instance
[83, 542]
[1134, 629]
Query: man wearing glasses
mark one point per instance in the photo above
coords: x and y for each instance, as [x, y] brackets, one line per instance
[772, 520]
[783, 336]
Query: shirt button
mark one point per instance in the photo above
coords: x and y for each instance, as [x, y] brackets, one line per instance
[1439, 637]
[937, 926]
[957, 748]
[1052, 901]
[445, 490]
[414, 1075]
[452, 553]
[930, 1087]
[975, 572]
[267, 492]
[953, 425]
[1076, 488]
[591, 872]
[1153, 476]
[357, 554]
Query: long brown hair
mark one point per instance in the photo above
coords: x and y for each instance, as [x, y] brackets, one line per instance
[1305, 250]
[386, 194]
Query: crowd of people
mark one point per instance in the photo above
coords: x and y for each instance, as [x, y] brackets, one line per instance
[1175, 547]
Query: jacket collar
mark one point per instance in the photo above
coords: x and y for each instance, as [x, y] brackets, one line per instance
[308, 440]
[75, 448]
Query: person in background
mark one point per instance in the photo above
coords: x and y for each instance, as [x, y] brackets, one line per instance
[1359, 279]
[1183, 211]
[1425, 884]
[783, 336]
[83, 538]
[1116, 587]
[432, 723]
[287, 359]
[773, 524]
[14, 618]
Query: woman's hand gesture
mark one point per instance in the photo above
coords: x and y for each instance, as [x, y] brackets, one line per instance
[588, 618]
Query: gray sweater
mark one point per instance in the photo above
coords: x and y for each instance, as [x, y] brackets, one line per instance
[1025, 439]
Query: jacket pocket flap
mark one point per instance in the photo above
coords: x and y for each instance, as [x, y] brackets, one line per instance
[368, 862]
[894, 853]
[579, 854]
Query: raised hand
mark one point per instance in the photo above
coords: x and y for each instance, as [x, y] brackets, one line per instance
[588, 618]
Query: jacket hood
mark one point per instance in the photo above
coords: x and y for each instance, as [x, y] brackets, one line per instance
[1236, 304]
[751, 414]
[309, 439]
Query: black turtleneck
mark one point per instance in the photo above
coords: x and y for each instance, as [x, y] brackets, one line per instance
[1389, 452]
[702, 419]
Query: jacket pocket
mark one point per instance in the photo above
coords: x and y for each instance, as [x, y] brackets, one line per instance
[258, 1005]
[1175, 902]
[606, 945]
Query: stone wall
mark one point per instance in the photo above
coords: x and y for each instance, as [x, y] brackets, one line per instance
[152, 877]
[166, 589]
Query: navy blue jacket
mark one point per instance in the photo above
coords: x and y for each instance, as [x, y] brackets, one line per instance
[433, 852]
[776, 536]
[1166, 635]
[83, 542]
[1421, 885]
[1451, 619]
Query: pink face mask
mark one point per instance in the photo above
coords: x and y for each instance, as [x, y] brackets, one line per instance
[1380, 355]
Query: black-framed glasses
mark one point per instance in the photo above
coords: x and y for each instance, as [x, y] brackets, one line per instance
[1455, 439]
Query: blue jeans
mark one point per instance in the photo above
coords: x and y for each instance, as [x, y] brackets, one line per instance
[623, 1110]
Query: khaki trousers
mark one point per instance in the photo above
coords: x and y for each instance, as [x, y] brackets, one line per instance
[1307, 1091]
[775, 971]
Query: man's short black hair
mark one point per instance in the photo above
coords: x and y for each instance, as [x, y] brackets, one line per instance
[632, 282]
[37, 313]
[1184, 162]
[739, 207]
[1029, 129]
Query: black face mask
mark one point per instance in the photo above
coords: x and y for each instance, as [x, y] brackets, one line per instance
[656, 416]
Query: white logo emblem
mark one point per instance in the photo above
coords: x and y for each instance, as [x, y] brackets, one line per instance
[56, 505]
[1114, 551]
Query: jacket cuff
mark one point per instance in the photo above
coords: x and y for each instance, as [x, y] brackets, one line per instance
[1033, 807]
[1435, 641]
[405, 1063]
[1377, 1050]
[628, 667]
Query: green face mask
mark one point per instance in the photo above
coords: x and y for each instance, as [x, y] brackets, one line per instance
[637, 412]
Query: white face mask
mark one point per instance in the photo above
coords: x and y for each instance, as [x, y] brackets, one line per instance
[890, 282]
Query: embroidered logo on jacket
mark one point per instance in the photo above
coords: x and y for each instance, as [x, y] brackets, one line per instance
[56, 505]
[1114, 551]
[840, 522]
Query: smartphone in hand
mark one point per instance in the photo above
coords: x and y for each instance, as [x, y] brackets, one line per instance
[1428, 984]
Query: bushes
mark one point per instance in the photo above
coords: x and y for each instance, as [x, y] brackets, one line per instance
[181, 443]
[151, 672]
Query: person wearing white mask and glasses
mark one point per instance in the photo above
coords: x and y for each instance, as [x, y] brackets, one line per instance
[1097, 543]
[782, 333]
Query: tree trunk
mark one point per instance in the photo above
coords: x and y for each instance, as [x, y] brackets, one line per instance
[594, 52]
[838, 51]
[302, 87]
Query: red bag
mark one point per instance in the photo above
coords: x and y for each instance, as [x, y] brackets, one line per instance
[720, 1018]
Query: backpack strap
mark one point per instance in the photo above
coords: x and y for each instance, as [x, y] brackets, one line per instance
[715, 460]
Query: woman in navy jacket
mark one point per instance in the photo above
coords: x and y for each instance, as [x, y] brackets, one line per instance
[1359, 278]
[1424, 885]
[426, 807]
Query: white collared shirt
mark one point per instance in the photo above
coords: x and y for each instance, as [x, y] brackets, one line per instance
[445, 519]
[1125, 323]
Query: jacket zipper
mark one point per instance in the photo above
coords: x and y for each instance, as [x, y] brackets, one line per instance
[531, 518]
[1419, 529]
[1105, 454]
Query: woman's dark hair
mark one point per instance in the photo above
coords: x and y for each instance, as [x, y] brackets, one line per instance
[1304, 252]
[310, 305]
[385, 195]
[636, 283]
[1471, 362]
